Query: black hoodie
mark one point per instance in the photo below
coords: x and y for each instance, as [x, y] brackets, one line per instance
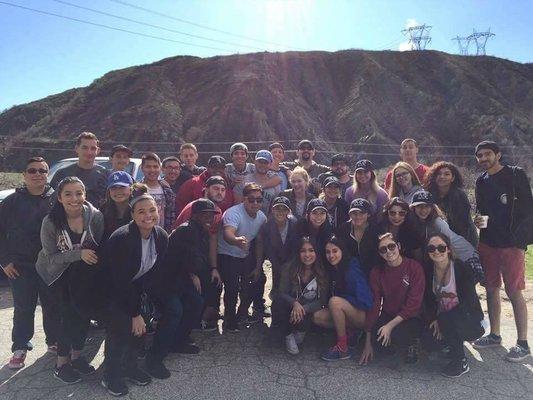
[21, 216]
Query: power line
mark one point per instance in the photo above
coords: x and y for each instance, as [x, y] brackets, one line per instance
[111, 27]
[124, 3]
[155, 26]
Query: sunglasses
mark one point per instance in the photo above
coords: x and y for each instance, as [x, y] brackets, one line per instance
[389, 247]
[401, 175]
[441, 248]
[257, 200]
[36, 170]
[395, 213]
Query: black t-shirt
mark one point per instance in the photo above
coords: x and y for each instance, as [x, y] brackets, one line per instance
[94, 179]
[493, 194]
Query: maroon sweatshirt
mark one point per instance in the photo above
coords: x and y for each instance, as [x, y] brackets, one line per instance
[396, 291]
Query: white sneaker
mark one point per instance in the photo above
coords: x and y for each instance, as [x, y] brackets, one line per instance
[290, 344]
[299, 337]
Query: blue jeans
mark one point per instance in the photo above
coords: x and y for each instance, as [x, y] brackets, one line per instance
[179, 314]
[26, 289]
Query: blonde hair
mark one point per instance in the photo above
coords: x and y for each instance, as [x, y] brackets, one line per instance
[374, 188]
[394, 190]
[300, 171]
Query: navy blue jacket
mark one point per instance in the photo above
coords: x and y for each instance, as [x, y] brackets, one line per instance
[349, 282]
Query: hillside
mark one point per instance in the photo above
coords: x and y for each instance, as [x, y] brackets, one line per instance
[348, 96]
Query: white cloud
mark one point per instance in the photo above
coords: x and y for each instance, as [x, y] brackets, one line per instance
[406, 46]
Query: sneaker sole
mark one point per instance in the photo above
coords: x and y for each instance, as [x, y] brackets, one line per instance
[488, 346]
[293, 353]
[116, 394]
[336, 359]
[136, 382]
[84, 373]
[65, 382]
[517, 359]
[457, 376]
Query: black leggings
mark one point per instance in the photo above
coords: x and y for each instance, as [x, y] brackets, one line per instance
[403, 334]
[458, 325]
[74, 324]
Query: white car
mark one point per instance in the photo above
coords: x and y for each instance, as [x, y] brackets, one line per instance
[134, 169]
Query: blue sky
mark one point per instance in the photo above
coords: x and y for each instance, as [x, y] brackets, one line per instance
[42, 55]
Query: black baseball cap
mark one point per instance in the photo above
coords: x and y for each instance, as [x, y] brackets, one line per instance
[315, 204]
[361, 205]
[305, 143]
[331, 180]
[364, 165]
[215, 161]
[276, 145]
[488, 144]
[203, 205]
[422, 197]
[339, 158]
[281, 201]
[121, 147]
[238, 146]
[215, 180]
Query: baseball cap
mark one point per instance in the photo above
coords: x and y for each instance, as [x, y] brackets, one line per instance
[203, 205]
[305, 143]
[281, 201]
[276, 145]
[339, 158]
[238, 146]
[361, 205]
[487, 144]
[215, 180]
[331, 180]
[364, 165]
[215, 161]
[264, 155]
[422, 197]
[316, 204]
[121, 147]
[119, 178]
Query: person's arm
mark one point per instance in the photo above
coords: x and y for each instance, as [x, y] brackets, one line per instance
[50, 250]
[363, 292]
[460, 246]
[461, 213]
[284, 292]
[170, 208]
[5, 259]
[97, 226]
[229, 236]
[273, 181]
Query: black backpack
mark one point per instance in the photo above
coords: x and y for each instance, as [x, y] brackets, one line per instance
[522, 230]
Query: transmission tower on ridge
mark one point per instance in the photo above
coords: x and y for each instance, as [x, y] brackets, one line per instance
[481, 40]
[463, 43]
[418, 36]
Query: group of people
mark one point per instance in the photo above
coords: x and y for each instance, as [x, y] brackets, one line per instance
[390, 268]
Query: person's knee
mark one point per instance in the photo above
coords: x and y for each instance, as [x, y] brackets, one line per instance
[335, 303]
[493, 293]
[515, 296]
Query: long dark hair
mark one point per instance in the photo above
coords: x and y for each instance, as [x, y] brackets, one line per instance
[395, 201]
[57, 214]
[317, 267]
[110, 211]
[445, 239]
[342, 267]
[431, 176]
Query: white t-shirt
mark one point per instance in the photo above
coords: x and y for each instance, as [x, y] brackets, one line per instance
[238, 218]
[159, 197]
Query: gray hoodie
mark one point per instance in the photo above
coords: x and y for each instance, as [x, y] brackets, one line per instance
[57, 253]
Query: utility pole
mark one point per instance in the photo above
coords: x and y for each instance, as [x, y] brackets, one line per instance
[481, 40]
[463, 43]
[418, 36]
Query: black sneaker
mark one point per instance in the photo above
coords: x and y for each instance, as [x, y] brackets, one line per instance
[67, 374]
[137, 376]
[456, 368]
[190, 340]
[115, 386]
[82, 366]
[231, 327]
[186, 348]
[157, 369]
[412, 353]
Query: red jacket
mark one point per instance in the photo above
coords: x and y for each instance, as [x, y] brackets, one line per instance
[185, 215]
[193, 189]
[396, 291]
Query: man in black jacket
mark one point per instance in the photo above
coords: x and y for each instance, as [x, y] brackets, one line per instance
[188, 269]
[21, 215]
[503, 194]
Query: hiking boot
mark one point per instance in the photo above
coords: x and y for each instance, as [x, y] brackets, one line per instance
[67, 374]
[17, 360]
[82, 366]
[336, 354]
[487, 341]
[137, 376]
[456, 368]
[157, 369]
[412, 353]
[299, 337]
[115, 386]
[517, 353]
[291, 345]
